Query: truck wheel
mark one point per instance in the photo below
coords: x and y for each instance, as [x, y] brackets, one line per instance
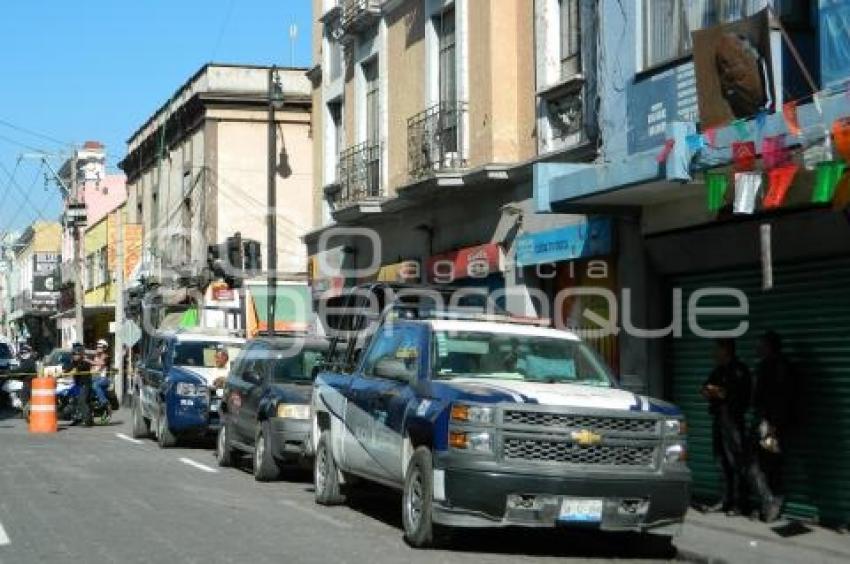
[223, 448]
[140, 428]
[265, 467]
[164, 436]
[418, 500]
[326, 474]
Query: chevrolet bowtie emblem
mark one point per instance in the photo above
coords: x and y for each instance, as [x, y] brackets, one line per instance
[586, 438]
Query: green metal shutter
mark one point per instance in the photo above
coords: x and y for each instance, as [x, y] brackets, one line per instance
[809, 307]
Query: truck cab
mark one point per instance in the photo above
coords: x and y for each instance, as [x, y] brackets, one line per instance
[178, 388]
[482, 421]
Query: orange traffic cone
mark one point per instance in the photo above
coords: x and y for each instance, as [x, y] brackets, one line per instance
[43, 406]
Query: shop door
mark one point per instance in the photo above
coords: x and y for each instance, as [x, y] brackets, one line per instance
[809, 307]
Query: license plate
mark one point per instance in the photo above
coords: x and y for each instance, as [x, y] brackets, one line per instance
[581, 510]
[214, 405]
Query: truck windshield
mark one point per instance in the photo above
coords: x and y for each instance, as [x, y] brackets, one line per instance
[461, 354]
[201, 353]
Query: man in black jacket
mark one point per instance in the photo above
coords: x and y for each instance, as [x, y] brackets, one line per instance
[727, 390]
[773, 400]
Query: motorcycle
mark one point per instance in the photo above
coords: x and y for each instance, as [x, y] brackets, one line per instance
[67, 394]
[17, 394]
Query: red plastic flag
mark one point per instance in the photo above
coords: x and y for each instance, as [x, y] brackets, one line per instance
[665, 150]
[711, 136]
[778, 182]
[774, 153]
[744, 155]
[789, 110]
[841, 133]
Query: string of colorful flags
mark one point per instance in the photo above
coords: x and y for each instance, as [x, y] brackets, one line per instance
[830, 184]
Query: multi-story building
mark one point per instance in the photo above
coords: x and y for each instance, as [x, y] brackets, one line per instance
[34, 287]
[101, 192]
[427, 126]
[198, 174]
[653, 93]
[100, 266]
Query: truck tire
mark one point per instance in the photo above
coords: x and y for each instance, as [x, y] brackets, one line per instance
[326, 474]
[223, 448]
[265, 466]
[164, 437]
[418, 500]
[139, 426]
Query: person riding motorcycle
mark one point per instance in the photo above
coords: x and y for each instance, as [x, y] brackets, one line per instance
[80, 369]
[100, 370]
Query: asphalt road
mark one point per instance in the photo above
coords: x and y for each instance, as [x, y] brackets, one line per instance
[95, 495]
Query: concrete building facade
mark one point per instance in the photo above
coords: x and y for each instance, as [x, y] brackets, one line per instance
[198, 168]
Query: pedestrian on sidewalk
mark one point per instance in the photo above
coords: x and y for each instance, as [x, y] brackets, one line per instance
[728, 390]
[773, 399]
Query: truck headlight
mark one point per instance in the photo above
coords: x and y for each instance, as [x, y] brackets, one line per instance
[293, 411]
[189, 389]
[481, 443]
[474, 414]
[675, 453]
[675, 427]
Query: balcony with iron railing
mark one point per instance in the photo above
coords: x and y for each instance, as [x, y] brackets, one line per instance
[358, 176]
[357, 15]
[435, 140]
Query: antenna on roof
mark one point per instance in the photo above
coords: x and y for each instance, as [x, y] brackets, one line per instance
[293, 37]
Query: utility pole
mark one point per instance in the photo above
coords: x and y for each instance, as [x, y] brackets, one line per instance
[119, 303]
[272, 205]
[79, 298]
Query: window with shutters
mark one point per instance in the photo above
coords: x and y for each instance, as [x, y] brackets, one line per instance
[570, 37]
[667, 24]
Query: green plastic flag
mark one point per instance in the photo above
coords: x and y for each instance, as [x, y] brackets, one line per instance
[190, 318]
[717, 183]
[741, 129]
[827, 177]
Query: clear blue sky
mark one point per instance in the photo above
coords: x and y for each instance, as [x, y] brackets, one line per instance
[97, 69]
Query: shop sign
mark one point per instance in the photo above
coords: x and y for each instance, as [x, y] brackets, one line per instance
[407, 271]
[589, 238]
[471, 262]
[221, 296]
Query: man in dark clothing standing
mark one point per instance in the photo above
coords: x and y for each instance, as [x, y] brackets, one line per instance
[727, 390]
[773, 399]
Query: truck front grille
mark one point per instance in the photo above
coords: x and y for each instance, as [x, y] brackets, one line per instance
[591, 422]
[540, 450]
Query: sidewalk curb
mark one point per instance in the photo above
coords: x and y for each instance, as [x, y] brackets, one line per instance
[689, 555]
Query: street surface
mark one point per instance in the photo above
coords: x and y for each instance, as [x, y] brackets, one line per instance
[95, 495]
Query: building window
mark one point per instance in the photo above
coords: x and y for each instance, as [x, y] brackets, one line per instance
[337, 141]
[373, 127]
[102, 267]
[334, 59]
[90, 272]
[444, 23]
[373, 101]
[570, 37]
[667, 24]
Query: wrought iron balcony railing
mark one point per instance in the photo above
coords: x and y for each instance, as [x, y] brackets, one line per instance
[359, 174]
[435, 139]
[357, 15]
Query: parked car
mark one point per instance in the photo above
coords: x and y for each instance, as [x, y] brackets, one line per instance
[8, 362]
[266, 406]
[481, 421]
[179, 388]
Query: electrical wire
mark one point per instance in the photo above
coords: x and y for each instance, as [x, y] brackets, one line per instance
[27, 131]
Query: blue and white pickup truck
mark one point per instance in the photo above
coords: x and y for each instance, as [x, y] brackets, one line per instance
[486, 422]
[178, 389]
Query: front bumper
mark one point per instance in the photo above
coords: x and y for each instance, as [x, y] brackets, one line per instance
[193, 415]
[290, 439]
[654, 503]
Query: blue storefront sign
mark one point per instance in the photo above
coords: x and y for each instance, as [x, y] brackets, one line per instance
[589, 238]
